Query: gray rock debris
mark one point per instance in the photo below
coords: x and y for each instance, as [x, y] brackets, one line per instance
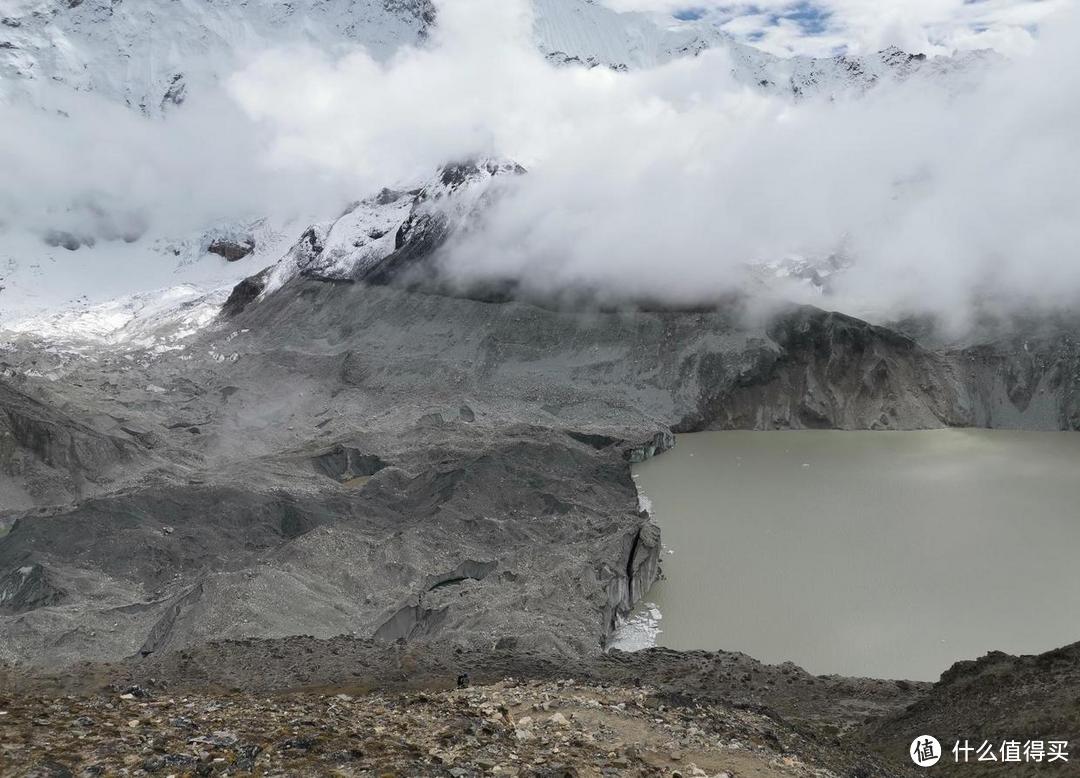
[337, 478]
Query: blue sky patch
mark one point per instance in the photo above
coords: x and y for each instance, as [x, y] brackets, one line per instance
[689, 14]
[812, 19]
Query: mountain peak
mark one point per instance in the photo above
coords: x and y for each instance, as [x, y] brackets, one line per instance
[388, 236]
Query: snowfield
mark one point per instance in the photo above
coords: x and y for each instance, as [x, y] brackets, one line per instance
[150, 55]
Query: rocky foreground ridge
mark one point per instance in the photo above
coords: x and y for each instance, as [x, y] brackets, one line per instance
[508, 728]
[352, 707]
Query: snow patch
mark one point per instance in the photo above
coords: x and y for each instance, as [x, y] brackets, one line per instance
[644, 503]
[157, 320]
[352, 247]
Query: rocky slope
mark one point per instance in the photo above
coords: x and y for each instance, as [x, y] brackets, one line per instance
[48, 456]
[423, 548]
[718, 711]
[994, 699]
[480, 447]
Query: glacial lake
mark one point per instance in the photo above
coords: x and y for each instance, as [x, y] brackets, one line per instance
[883, 554]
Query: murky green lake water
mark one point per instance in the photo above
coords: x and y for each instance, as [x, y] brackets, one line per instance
[885, 554]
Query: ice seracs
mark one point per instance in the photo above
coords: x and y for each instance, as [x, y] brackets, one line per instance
[158, 320]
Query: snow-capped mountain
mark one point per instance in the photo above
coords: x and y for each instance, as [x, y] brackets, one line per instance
[149, 55]
[394, 237]
[587, 33]
[153, 54]
[384, 238]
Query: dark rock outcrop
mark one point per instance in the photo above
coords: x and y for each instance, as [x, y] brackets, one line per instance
[231, 250]
[67, 240]
[822, 370]
[27, 588]
[411, 622]
[244, 293]
[1029, 381]
[467, 570]
[343, 463]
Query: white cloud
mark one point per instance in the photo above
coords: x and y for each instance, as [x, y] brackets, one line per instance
[661, 182]
[666, 182]
[98, 164]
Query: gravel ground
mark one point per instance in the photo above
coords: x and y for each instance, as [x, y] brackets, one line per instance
[507, 728]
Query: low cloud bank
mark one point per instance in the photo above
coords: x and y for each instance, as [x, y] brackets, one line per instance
[101, 171]
[666, 183]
